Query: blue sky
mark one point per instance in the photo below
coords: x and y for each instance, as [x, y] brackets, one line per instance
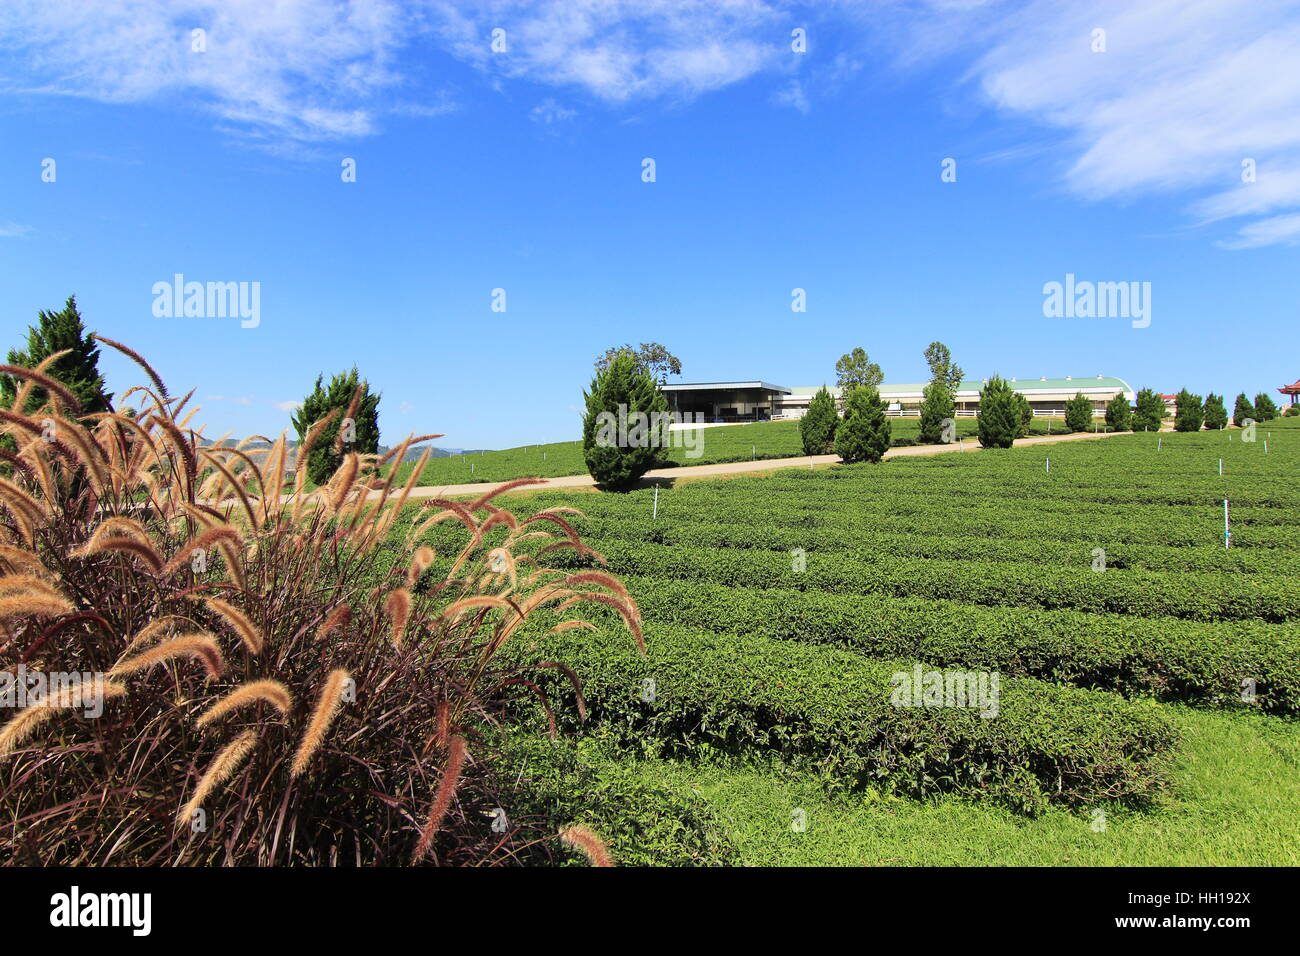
[775, 170]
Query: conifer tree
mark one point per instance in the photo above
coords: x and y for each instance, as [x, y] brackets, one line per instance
[78, 370]
[864, 435]
[817, 427]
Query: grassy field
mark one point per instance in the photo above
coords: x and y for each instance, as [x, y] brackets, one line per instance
[761, 440]
[1122, 736]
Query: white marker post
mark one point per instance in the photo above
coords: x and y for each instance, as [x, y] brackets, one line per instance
[471, 468]
[655, 513]
[1227, 530]
[1220, 467]
[1049, 466]
[1159, 443]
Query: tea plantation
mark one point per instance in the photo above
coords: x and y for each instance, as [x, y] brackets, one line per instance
[759, 441]
[1149, 677]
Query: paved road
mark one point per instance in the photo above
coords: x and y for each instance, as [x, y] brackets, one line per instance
[740, 467]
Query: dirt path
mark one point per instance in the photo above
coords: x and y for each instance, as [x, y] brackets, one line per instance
[742, 467]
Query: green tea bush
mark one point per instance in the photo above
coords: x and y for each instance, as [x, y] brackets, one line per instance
[829, 711]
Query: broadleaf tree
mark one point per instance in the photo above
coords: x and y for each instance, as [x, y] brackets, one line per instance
[653, 357]
[942, 367]
[855, 370]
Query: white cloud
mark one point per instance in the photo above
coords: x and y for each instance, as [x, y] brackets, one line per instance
[1183, 93]
[1266, 232]
[793, 96]
[288, 406]
[617, 50]
[405, 408]
[13, 230]
[304, 70]
[548, 111]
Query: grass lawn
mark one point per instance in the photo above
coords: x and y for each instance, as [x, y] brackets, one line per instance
[1232, 802]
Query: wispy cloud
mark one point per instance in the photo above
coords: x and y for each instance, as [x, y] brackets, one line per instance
[549, 112]
[1182, 94]
[1266, 232]
[13, 230]
[617, 50]
[303, 70]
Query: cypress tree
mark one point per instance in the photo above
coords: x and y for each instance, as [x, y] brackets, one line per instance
[999, 420]
[937, 405]
[1150, 411]
[817, 427]
[1118, 414]
[1216, 414]
[1243, 410]
[1024, 413]
[1265, 409]
[1190, 416]
[864, 434]
[78, 370]
[326, 454]
[618, 445]
[1078, 413]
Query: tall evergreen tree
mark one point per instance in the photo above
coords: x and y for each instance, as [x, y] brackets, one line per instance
[1024, 413]
[618, 444]
[1078, 413]
[1118, 414]
[1150, 411]
[78, 370]
[1190, 416]
[327, 452]
[1265, 408]
[937, 406]
[1243, 410]
[1216, 414]
[999, 419]
[864, 434]
[817, 427]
